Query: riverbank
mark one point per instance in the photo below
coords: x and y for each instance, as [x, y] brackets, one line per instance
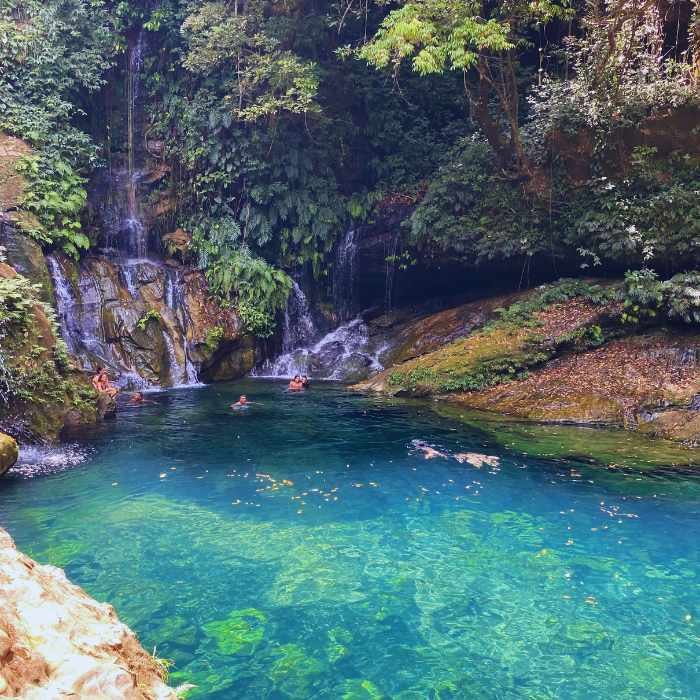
[559, 354]
[56, 641]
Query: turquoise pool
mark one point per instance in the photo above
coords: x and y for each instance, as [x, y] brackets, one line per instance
[305, 548]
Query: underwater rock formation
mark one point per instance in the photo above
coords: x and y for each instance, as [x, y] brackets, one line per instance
[56, 641]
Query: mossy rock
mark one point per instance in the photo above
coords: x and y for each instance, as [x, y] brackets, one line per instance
[9, 453]
[239, 633]
[681, 424]
[27, 258]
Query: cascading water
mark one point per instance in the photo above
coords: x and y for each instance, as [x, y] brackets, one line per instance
[132, 229]
[100, 317]
[344, 277]
[65, 304]
[299, 328]
[346, 353]
[186, 371]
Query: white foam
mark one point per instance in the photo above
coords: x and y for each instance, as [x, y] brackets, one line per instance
[40, 460]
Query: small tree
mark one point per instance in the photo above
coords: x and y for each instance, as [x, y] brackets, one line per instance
[483, 40]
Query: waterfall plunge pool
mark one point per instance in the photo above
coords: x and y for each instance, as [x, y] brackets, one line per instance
[306, 549]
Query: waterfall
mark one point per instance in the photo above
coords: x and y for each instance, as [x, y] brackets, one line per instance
[172, 296]
[132, 228]
[347, 352]
[344, 276]
[65, 306]
[178, 373]
[298, 326]
[99, 313]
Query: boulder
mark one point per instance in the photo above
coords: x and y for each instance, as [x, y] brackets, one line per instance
[57, 642]
[9, 453]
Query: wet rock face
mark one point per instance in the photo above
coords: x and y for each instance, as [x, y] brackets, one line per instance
[149, 322]
[41, 389]
[9, 453]
[56, 641]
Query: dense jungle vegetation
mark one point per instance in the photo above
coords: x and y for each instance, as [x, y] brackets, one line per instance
[558, 132]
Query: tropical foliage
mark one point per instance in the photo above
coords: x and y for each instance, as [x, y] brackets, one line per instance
[511, 131]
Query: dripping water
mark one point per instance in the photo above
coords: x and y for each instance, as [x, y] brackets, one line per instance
[344, 276]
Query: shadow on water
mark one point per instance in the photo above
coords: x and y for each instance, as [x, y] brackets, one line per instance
[305, 547]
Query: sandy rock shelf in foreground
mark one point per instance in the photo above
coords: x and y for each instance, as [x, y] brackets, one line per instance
[57, 642]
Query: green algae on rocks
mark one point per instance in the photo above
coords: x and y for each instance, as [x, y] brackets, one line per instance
[593, 445]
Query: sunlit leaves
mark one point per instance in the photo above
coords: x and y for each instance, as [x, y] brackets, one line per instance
[261, 78]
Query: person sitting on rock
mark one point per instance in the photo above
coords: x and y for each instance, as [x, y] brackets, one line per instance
[102, 384]
[296, 384]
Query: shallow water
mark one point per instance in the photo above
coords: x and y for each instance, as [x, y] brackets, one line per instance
[305, 549]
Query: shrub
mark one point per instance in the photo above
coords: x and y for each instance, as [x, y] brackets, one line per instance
[645, 297]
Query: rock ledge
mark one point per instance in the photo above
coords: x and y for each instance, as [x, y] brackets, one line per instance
[57, 642]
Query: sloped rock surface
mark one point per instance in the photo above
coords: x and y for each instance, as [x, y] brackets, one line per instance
[57, 642]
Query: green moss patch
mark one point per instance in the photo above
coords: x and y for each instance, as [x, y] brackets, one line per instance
[556, 318]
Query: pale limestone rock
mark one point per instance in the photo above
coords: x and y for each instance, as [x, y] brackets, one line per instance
[57, 642]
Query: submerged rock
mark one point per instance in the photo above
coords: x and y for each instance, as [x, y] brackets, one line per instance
[56, 641]
[9, 453]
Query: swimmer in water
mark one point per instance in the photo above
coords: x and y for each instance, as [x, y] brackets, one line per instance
[296, 384]
[428, 451]
[241, 403]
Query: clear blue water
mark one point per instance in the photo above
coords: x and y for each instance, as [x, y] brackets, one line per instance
[306, 549]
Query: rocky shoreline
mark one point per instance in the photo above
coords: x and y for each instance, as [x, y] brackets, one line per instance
[572, 362]
[56, 641]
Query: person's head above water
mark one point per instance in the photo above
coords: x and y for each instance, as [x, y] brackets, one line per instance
[137, 396]
[243, 399]
[297, 378]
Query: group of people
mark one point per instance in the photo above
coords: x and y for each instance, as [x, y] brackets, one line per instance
[299, 383]
[103, 385]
